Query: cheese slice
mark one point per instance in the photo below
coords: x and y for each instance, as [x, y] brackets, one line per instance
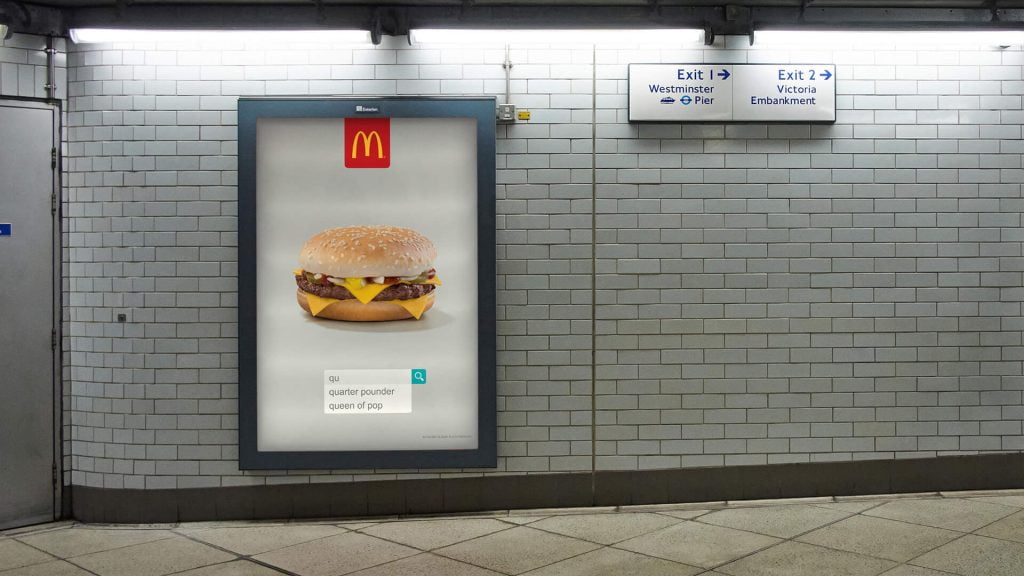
[371, 290]
[364, 293]
[317, 303]
[415, 307]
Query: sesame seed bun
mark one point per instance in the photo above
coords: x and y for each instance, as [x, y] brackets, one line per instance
[355, 311]
[368, 251]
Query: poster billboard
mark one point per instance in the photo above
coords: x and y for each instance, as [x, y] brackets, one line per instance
[366, 283]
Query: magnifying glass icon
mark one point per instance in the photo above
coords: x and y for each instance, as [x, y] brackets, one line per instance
[419, 376]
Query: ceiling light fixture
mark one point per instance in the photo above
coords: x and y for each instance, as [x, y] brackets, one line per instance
[661, 36]
[876, 39]
[111, 35]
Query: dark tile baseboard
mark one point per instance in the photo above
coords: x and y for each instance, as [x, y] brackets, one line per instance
[454, 495]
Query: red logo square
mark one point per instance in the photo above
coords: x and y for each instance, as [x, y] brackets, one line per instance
[367, 142]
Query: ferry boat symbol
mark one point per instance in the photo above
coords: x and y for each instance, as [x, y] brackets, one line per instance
[668, 100]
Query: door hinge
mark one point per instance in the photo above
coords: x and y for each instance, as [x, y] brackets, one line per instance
[56, 479]
[53, 157]
[53, 339]
[53, 202]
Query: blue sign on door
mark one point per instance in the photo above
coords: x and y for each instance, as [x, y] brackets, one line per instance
[5, 229]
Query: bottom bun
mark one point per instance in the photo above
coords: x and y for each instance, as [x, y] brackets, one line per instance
[353, 310]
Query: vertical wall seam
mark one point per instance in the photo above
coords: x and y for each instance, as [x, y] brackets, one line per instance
[593, 274]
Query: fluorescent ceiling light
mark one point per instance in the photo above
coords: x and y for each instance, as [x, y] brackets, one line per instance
[672, 36]
[110, 35]
[880, 38]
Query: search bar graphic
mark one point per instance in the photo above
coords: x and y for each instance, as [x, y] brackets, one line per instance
[384, 391]
[419, 375]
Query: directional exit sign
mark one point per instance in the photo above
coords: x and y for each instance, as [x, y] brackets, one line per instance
[681, 92]
[732, 93]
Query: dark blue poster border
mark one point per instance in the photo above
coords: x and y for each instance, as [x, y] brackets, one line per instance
[250, 110]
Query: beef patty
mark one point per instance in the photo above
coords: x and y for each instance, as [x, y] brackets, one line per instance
[394, 292]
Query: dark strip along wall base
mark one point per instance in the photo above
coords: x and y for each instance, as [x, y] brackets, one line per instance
[454, 495]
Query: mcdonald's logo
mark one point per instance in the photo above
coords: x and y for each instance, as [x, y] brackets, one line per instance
[367, 142]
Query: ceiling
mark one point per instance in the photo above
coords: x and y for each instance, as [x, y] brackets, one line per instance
[396, 17]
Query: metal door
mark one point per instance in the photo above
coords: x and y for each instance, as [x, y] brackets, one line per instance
[27, 303]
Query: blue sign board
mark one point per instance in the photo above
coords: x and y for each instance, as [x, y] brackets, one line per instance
[5, 229]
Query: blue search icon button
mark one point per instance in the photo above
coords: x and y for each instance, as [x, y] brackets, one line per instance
[419, 375]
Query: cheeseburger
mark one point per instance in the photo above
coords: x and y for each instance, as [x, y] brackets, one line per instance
[367, 274]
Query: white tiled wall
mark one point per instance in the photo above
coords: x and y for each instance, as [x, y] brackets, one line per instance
[765, 293]
[23, 66]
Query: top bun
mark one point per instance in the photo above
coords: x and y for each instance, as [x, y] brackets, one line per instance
[368, 251]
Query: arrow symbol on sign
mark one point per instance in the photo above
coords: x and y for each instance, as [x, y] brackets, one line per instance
[724, 74]
[826, 74]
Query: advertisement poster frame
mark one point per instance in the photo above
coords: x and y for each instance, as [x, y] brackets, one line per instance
[250, 111]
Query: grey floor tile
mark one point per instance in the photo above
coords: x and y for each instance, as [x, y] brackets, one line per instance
[336, 555]
[26, 530]
[976, 556]
[521, 520]
[431, 534]
[697, 544]
[684, 514]
[152, 558]
[613, 562]
[517, 550]
[356, 525]
[564, 511]
[77, 541]
[252, 540]
[908, 570]
[223, 524]
[779, 521]
[780, 502]
[856, 506]
[234, 568]
[55, 568]
[981, 493]
[880, 537]
[676, 507]
[963, 515]
[605, 528]
[14, 554]
[424, 565]
[1009, 528]
[887, 497]
[798, 559]
[1015, 500]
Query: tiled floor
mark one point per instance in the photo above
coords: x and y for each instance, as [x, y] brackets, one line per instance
[965, 534]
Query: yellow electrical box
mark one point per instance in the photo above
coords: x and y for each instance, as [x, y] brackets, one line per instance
[523, 114]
